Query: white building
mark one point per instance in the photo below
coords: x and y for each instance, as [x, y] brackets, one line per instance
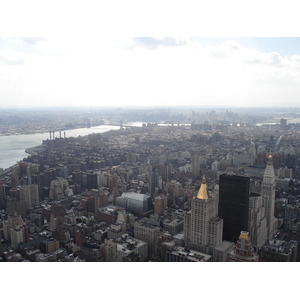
[257, 222]
[203, 230]
[133, 202]
[268, 198]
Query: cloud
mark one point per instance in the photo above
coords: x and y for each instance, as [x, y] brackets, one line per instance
[233, 51]
[152, 43]
[124, 72]
[31, 40]
[11, 57]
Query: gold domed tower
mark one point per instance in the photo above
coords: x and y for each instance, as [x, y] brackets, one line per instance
[203, 191]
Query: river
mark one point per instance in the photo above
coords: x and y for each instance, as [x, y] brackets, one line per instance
[12, 148]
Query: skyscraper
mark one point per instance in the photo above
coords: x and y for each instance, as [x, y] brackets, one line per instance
[30, 194]
[202, 227]
[195, 165]
[153, 182]
[234, 205]
[268, 197]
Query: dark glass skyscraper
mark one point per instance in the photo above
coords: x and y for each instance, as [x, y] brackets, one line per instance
[234, 205]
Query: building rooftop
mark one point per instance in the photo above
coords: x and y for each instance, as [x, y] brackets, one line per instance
[225, 245]
[190, 254]
[135, 196]
[280, 246]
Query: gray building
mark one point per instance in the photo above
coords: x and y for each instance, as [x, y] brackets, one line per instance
[138, 203]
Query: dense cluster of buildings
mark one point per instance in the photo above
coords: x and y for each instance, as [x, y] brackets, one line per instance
[200, 193]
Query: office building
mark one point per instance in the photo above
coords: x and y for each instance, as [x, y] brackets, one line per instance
[202, 227]
[234, 205]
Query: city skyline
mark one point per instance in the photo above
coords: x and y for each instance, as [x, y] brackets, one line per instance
[149, 71]
[36, 74]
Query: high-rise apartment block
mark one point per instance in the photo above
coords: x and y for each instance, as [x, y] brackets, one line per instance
[30, 194]
[160, 204]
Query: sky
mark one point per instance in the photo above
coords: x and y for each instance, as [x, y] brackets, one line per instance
[149, 53]
[148, 71]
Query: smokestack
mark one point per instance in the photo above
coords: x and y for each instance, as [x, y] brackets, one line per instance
[64, 134]
[50, 135]
[60, 134]
[53, 135]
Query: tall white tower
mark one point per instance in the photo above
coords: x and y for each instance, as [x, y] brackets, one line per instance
[252, 149]
[268, 197]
